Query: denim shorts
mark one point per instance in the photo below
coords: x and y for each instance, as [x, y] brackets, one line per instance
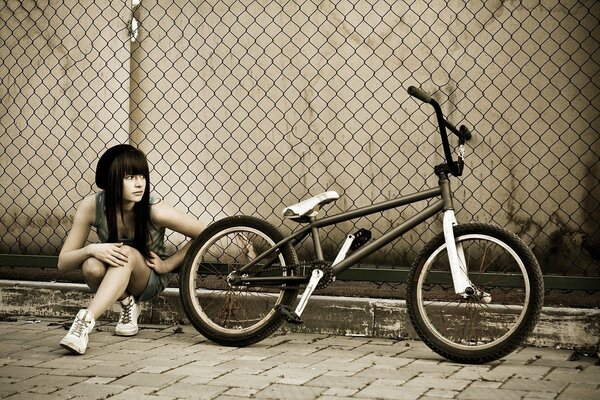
[156, 284]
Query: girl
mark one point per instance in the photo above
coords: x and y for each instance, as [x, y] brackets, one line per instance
[130, 264]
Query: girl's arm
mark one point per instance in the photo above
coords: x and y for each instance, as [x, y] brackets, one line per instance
[169, 217]
[74, 251]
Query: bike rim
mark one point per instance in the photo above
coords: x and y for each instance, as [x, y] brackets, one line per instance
[423, 304]
[192, 288]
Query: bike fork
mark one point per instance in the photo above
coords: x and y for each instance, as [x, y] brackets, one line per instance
[456, 256]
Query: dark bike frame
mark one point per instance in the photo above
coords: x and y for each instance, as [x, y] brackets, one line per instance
[442, 204]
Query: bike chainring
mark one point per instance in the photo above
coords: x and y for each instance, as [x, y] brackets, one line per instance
[306, 269]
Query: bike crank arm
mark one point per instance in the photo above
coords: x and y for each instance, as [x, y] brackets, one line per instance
[344, 250]
[456, 256]
[316, 276]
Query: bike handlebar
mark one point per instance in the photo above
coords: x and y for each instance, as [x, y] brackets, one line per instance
[419, 94]
[463, 133]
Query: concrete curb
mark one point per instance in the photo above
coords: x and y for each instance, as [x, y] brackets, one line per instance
[567, 328]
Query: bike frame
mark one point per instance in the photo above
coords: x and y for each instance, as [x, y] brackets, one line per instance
[444, 203]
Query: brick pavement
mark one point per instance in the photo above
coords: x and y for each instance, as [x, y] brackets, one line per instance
[164, 362]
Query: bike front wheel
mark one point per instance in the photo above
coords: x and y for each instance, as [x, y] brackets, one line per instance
[501, 312]
[227, 314]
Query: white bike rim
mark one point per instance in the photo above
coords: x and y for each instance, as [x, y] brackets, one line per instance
[193, 275]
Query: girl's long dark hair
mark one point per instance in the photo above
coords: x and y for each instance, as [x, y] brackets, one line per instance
[131, 162]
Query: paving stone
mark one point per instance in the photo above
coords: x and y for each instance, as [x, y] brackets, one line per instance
[380, 391]
[442, 394]
[47, 381]
[330, 397]
[294, 360]
[470, 372]
[149, 380]
[539, 395]
[580, 392]
[98, 380]
[289, 392]
[531, 371]
[185, 390]
[107, 371]
[572, 376]
[68, 362]
[340, 364]
[91, 391]
[240, 392]
[19, 373]
[339, 392]
[428, 366]
[400, 375]
[532, 385]
[157, 365]
[249, 367]
[199, 370]
[384, 361]
[235, 379]
[353, 382]
[292, 375]
[479, 393]
[140, 393]
[438, 383]
[486, 384]
[38, 396]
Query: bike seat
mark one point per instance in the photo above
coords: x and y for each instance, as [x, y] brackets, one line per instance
[309, 207]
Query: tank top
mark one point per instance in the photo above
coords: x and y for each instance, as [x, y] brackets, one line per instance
[156, 234]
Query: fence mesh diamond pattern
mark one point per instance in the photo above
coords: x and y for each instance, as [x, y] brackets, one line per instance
[247, 106]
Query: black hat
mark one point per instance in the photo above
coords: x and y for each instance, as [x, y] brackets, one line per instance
[106, 160]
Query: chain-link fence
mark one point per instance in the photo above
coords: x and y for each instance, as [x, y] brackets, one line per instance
[247, 106]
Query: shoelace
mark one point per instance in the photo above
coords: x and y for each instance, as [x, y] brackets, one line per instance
[79, 327]
[126, 315]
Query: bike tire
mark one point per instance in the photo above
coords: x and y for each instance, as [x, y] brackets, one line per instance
[478, 329]
[228, 315]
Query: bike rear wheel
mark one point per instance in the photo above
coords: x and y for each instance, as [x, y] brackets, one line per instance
[234, 315]
[493, 321]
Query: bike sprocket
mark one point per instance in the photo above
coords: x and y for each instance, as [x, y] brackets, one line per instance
[306, 268]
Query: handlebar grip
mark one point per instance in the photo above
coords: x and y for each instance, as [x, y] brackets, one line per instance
[419, 94]
[465, 132]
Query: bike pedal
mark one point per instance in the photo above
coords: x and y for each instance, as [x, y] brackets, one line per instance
[290, 316]
[360, 238]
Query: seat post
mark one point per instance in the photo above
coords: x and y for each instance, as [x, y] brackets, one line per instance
[316, 239]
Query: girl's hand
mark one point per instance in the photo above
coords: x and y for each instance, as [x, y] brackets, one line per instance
[156, 263]
[112, 254]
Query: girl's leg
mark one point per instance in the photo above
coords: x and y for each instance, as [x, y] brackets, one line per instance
[110, 284]
[118, 282]
[93, 272]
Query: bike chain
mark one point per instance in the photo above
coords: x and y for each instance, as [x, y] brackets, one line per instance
[306, 268]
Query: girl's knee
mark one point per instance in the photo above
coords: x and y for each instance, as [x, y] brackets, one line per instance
[134, 257]
[93, 271]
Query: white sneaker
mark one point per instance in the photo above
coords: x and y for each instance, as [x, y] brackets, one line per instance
[76, 340]
[127, 325]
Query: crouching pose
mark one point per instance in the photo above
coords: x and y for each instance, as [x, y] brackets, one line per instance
[130, 264]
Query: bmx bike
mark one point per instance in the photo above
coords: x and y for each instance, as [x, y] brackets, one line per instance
[474, 292]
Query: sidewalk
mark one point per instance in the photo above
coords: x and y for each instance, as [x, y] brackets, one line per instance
[171, 362]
